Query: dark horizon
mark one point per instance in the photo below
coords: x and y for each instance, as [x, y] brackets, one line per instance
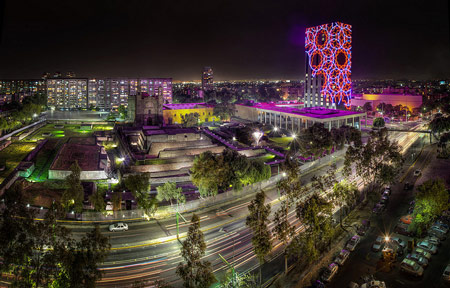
[240, 40]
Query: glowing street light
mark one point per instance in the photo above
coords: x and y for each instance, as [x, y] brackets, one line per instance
[275, 128]
[386, 238]
[294, 136]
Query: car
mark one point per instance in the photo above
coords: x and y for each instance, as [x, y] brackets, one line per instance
[402, 228]
[442, 224]
[386, 193]
[423, 252]
[379, 207]
[374, 284]
[329, 272]
[399, 242]
[120, 226]
[417, 173]
[378, 245]
[433, 240]
[384, 200]
[422, 261]
[427, 246]
[440, 227]
[446, 274]
[342, 257]
[351, 245]
[437, 233]
[411, 267]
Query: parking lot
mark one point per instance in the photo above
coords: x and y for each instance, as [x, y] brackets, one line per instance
[363, 260]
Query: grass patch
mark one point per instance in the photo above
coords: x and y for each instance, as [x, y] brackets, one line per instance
[281, 141]
[13, 154]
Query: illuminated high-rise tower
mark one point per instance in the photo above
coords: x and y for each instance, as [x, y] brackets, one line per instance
[207, 79]
[328, 65]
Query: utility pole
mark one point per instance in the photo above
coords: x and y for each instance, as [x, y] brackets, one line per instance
[233, 272]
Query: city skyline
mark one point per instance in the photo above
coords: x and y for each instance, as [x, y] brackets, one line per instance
[263, 40]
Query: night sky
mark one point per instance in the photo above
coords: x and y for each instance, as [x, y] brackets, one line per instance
[239, 39]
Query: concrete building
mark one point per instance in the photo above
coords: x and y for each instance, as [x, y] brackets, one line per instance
[207, 79]
[17, 90]
[172, 113]
[294, 118]
[92, 159]
[67, 93]
[108, 94]
[328, 65]
[411, 101]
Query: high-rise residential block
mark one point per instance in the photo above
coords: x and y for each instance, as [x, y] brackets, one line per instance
[207, 79]
[67, 93]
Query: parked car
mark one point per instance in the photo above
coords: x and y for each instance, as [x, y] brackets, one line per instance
[342, 257]
[433, 240]
[386, 193]
[424, 253]
[399, 241]
[384, 200]
[427, 246]
[378, 245]
[446, 274]
[329, 272]
[422, 261]
[437, 233]
[442, 224]
[373, 284]
[118, 227]
[417, 173]
[379, 207]
[402, 228]
[351, 245]
[411, 267]
[362, 229]
[440, 227]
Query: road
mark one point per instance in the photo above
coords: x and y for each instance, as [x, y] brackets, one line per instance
[150, 250]
[363, 260]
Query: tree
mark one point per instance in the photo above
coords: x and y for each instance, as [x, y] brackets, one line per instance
[169, 192]
[194, 272]
[139, 185]
[116, 200]
[345, 193]
[97, 200]
[224, 111]
[74, 194]
[377, 162]
[439, 124]
[79, 267]
[282, 229]
[432, 199]
[122, 111]
[244, 280]
[258, 221]
[314, 141]
[190, 120]
[378, 122]
[206, 174]
[315, 213]
[367, 106]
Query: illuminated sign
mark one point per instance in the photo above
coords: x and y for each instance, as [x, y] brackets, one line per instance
[329, 49]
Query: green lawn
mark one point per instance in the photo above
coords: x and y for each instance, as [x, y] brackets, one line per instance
[281, 141]
[13, 154]
[68, 131]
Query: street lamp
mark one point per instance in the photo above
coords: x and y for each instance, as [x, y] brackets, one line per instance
[275, 128]
[293, 136]
[233, 271]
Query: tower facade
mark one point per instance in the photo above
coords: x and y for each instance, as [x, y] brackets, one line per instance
[207, 79]
[328, 65]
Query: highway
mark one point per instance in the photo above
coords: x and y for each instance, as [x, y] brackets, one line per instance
[150, 250]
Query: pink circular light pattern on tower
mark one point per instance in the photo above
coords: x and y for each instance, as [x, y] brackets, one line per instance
[334, 51]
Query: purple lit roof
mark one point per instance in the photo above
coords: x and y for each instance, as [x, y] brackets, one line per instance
[170, 131]
[186, 106]
[312, 112]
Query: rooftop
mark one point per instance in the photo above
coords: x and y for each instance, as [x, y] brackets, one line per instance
[88, 157]
[312, 112]
[186, 106]
[169, 131]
